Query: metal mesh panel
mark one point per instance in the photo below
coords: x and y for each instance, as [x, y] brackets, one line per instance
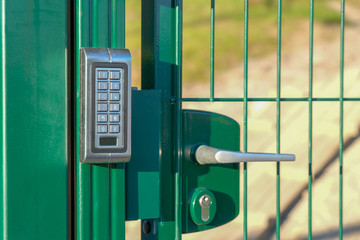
[309, 101]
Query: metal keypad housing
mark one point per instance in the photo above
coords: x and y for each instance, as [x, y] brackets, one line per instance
[105, 100]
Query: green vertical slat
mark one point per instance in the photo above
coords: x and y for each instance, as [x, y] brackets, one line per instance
[278, 114]
[94, 23]
[118, 202]
[100, 201]
[101, 188]
[3, 192]
[212, 42]
[246, 36]
[342, 36]
[117, 36]
[158, 53]
[178, 119]
[100, 172]
[177, 135]
[83, 192]
[311, 57]
[114, 21]
[34, 112]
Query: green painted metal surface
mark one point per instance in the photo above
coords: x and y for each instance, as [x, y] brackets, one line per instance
[142, 172]
[100, 188]
[34, 101]
[220, 132]
[160, 34]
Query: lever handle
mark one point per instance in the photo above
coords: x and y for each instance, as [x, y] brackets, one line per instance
[209, 155]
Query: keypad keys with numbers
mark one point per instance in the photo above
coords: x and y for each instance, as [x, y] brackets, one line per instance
[114, 118]
[114, 107]
[102, 107]
[114, 96]
[101, 128]
[114, 85]
[114, 128]
[115, 75]
[102, 118]
[103, 74]
[102, 85]
[108, 101]
[102, 96]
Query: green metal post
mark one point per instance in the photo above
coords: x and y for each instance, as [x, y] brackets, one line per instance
[161, 56]
[341, 168]
[310, 175]
[117, 171]
[178, 117]
[35, 120]
[83, 193]
[278, 120]
[3, 174]
[245, 127]
[100, 188]
[212, 48]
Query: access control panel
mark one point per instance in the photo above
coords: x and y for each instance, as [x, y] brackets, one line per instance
[105, 105]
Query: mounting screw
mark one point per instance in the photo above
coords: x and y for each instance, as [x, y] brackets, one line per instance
[173, 100]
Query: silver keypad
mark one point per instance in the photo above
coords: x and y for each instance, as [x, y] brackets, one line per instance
[104, 105]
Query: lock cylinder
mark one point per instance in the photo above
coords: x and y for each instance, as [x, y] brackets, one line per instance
[202, 206]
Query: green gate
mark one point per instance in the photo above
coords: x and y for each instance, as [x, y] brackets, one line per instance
[47, 193]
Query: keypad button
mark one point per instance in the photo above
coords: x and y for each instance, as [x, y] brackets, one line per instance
[115, 75]
[103, 74]
[114, 118]
[114, 128]
[102, 107]
[102, 96]
[114, 96]
[114, 85]
[102, 118]
[102, 85]
[114, 107]
[101, 128]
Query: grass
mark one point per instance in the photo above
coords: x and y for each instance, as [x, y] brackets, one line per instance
[229, 31]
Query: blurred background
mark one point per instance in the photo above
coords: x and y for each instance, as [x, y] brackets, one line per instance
[262, 82]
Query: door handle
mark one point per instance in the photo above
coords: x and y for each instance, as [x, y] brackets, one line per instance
[208, 155]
